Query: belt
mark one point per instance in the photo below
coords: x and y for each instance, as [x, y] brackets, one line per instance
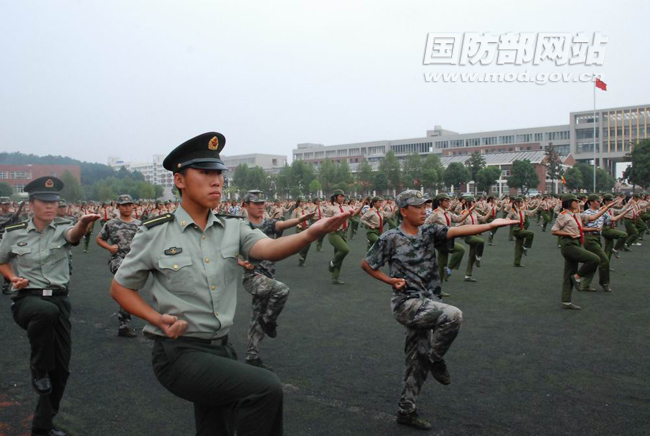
[592, 233]
[218, 341]
[43, 292]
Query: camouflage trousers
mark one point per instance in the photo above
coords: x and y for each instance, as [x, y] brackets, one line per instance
[269, 298]
[431, 327]
[124, 318]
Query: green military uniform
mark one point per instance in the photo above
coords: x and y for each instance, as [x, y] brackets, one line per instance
[194, 276]
[611, 234]
[42, 309]
[337, 239]
[524, 237]
[573, 252]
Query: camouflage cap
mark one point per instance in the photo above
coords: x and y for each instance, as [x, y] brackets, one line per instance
[567, 197]
[5, 200]
[410, 197]
[593, 197]
[442, 196]
[254, 196]
[124, 199]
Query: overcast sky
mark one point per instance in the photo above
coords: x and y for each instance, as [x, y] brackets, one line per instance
[93, 79]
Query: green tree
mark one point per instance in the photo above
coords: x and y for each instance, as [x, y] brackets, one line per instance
[365, 177]
[380, 182]
[523, 176]
[456, 174]
[6, 190]
[146, 191]
[240, 177]
[159, 191]
[638, 173]
[343, 174]
[283, 181]
[412, 171]
[72, 190]
[573, 178]
[389, 165]
[475, 163]
[487, 177]
[106, 193]
[604, 181]
[553, 164]
[432, 172]
[315, 186]
[327, 176]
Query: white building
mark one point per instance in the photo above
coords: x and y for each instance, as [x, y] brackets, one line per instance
[153, 172]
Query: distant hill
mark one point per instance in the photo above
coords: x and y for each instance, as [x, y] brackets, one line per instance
[90, 172]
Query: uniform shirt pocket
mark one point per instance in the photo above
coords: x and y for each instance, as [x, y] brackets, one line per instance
[231, 267]
[22, 255]
[58, 252]
[177, 274]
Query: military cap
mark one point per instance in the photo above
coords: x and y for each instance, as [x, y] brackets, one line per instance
[490, 197]
[337, 192]
[469, 198]
[62, 203]
[254, 196]
[410, 197]
[200, 152]
[124, 199]
[518, 199]
[593, 197]
[442, 196]
[571, 197]
[5, 200]
[375, 199]
[608, 197]
[44, 189]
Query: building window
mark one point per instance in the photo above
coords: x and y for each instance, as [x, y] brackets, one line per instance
[274, 162]
[20, 175]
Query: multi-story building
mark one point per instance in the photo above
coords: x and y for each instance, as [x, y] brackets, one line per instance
[153, 171]
[18, 176]
[616, 130]
[265, 161]
[619, 130]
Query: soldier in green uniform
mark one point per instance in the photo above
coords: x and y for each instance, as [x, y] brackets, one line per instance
[524, 237]
[269, 295]
[116, 236]
[431, 326]
[569, 227]
[6, 219]
[610, 233]
[34, 257]
[192, 257]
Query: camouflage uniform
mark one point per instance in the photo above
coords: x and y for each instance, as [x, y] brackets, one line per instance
[120, 233]
[431, 326]
[269, 295]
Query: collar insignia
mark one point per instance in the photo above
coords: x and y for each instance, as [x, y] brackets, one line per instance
[173, 251]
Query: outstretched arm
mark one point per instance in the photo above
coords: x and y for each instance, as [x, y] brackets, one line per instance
[283, 225]
[281, 248]
[79, 230]
[455, 232]
[380, 275]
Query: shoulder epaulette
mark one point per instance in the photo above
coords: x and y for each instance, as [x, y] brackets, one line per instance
[13, 227]
[158, 220]
[223, 215]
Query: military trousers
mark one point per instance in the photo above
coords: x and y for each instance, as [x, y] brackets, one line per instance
[546, 218]
[523, 239]
[354, 226]
[632, 231]
[372, 235]
[594, 245]
[431, 327]
[88, 235]
[445, 262]
[574, 254]
[611, 235]
[341, 249]
[269, 298]
[641, 227]
[47, 322]
[229, 397]
[476, 245]
[302, 254]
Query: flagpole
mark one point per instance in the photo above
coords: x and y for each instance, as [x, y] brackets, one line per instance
[594, 191]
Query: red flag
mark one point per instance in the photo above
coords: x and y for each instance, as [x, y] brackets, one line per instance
[563, 180]
[600, 84]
